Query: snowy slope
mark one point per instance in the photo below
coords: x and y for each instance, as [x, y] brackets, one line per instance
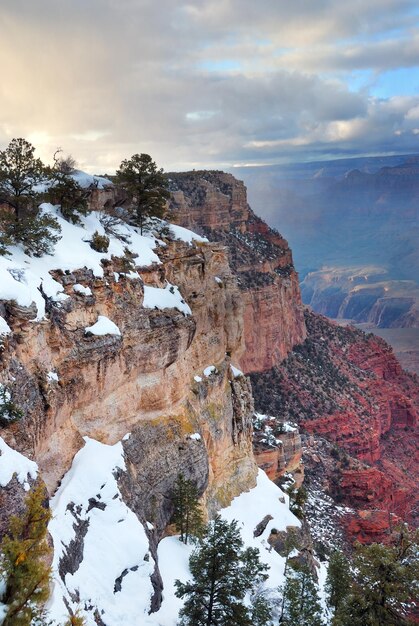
[88, 505]
[21, 275]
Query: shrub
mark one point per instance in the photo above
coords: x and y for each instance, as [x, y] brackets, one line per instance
[100, 243]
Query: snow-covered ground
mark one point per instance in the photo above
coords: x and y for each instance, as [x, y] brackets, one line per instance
[21, 275]
[13, 463]
[89, 506]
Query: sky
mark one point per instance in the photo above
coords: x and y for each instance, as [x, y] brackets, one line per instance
[210, 83]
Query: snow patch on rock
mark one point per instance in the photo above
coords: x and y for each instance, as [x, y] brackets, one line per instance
[12, 462]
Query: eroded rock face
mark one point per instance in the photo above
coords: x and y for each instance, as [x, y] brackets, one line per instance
[215, 204]
[110, 385]
[349, 388]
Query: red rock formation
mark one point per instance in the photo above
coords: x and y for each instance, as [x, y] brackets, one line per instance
[215, 204]
[349, 388]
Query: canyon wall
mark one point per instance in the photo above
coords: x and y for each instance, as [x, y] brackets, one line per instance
[215, 205]
[148, 381]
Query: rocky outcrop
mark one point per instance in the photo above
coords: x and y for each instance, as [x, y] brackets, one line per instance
[142, 381]
[215, 205]
[348, 387]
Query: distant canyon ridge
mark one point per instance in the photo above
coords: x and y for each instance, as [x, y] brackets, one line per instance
[354, 228]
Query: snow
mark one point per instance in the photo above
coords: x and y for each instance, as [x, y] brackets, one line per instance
[167, 298]
[4, 327]
[197, 379]
[249, 509]
[195, 436]
[12, 462]
[149, 525]
[236, 372]
[211, 369]
[103, 326]
[82, 290]
[218, 280]
[179, 232]
[115, 542]
[21, 275]
[85, 180]
[52, 376]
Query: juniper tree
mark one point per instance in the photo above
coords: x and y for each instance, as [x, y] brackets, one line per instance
[65, 190]
[223, 573]
[24, 568]
[301, 600]
[187, 514]
[146, 187]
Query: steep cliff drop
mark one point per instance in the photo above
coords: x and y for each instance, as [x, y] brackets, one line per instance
[117, 375]
[334, 382]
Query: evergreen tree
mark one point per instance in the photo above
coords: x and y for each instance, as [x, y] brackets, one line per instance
[338, 582]
[301, 600]
[21, 174]
[187, 515]
[223, 573]
[24, 552]
[66, 191]
[386, 579]
[146, 187]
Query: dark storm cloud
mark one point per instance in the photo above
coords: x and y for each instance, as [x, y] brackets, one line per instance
[206, 83]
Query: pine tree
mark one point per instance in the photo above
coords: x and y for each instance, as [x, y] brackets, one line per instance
[65, 190]
[386, 579]
[20, 176]
[301, 600]
[223, 573]
[20, 173]
[24, 552]
[338, 582]
[146, 187]
[187, 515]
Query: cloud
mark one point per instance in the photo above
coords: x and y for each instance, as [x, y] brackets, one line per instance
[205, 83]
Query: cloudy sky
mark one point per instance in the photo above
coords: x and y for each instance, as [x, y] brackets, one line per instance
[210, 83]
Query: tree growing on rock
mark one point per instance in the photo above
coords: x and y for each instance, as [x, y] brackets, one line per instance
[146, 187]
[338, 582]
[65, 190]
[187, 515]
[223, 573]
[24, 568]
[385, 584]
[301, 606]
[22, 181]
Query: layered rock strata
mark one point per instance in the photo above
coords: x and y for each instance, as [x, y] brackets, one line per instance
[215, 204]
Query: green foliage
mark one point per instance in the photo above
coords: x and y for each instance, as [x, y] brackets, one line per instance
[23, 555]
[187, 515]
[146, 187]
[339, 580]
[20, 172]
[385, 580]
[66, 191]
[9, 412]
[223, 573]
[298, 498]
[100, 243]
[301, 605]
[35, 233]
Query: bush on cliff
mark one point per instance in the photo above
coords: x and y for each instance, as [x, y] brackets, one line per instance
[187, 515]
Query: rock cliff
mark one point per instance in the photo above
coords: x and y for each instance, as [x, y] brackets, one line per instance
[349, 388]
[215, 204]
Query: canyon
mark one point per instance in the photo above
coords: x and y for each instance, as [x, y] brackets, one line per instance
[213, 367]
